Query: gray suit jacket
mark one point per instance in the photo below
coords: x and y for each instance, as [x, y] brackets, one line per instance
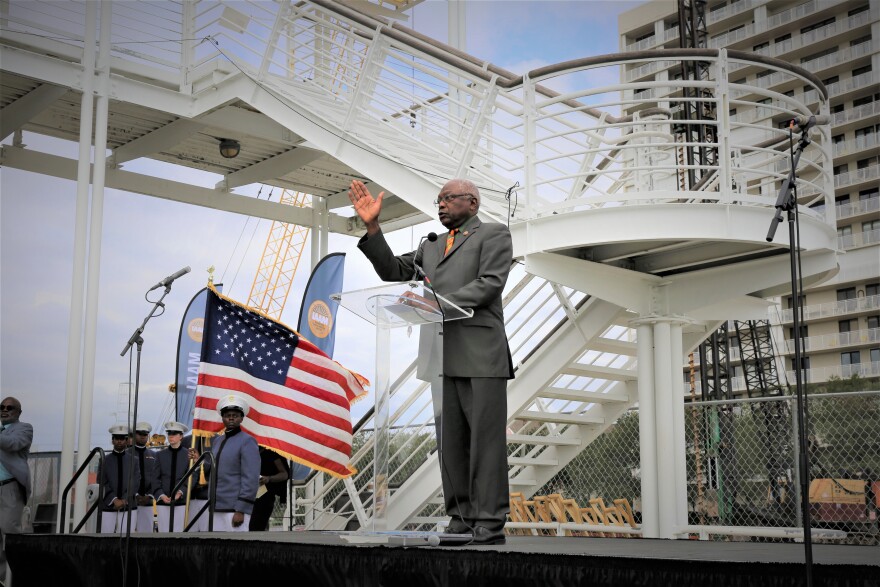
[15, 445]
[471, 276]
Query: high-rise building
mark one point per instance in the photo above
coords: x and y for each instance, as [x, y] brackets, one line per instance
[839, 42]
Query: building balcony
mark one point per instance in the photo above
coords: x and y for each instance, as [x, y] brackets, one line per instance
[830, 310]
[820, 375]
[838, 340]
[771, 80]
[855, 145]
[859, 239]
[859, 208]
[841, 371]
[856, 114]
[732, 37]
[716, 16]
[649, 69]
[807, 39]
[852, 178]
[787, 16]
[835, 59]
[646, 43]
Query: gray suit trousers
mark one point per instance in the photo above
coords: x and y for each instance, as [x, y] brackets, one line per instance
[474, 454]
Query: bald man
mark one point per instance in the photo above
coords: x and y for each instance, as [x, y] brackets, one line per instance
[468, 266]
[15, 481]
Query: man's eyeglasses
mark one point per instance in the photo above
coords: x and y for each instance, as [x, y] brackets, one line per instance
[449, 197]
[9, 408]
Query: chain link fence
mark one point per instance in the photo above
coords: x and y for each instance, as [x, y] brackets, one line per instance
[742, 460]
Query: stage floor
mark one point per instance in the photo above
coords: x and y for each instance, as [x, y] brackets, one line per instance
[325, 558]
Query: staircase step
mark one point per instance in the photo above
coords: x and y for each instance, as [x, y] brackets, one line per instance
[578, 395]
[579, 419]
[548, 440]
[521, 482]
[599, 372]
[615, 347]
[530, 461]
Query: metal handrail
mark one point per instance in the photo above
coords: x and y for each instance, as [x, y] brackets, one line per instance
[69, 486]
[212, 491]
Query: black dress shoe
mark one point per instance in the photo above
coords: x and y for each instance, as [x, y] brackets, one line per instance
[457, 526]
[483, 535]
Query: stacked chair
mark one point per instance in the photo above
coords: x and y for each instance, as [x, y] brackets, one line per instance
[554, 515]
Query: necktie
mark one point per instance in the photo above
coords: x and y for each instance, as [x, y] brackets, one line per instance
[142, 488]
[173, 470]
[120, 490]
[450, 238]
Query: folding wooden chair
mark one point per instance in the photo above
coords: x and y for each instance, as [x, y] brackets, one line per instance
[521, 511]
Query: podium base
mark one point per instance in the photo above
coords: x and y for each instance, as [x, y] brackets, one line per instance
[404, 538]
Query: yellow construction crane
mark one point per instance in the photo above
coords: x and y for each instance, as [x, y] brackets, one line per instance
[281, 256]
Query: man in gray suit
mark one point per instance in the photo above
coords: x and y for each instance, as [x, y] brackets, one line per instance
[15, 479]
[469, 267]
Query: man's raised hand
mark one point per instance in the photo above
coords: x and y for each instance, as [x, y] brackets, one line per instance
[365, 205]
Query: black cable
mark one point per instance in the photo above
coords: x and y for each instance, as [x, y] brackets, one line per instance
[510, 193]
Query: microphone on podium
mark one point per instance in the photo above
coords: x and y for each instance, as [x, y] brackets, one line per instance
[431, 236]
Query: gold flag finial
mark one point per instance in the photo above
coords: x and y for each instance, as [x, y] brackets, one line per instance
[211, 275]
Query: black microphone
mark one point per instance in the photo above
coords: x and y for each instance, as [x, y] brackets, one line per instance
[431, 236]
[807, 122]
[168, 280]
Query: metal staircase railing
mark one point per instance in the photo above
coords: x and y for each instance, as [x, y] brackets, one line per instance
[561, 400]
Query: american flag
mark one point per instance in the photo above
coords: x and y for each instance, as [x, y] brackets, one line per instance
[299, 398]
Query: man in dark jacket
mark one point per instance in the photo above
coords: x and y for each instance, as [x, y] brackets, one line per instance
[120, 478]
[468, 267]
[146, 459]
[15, 479]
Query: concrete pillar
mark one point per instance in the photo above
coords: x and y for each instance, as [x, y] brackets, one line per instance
[84, 444]
[77, 287]
[647, 432]
[665, 434]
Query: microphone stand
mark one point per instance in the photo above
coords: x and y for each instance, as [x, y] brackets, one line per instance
[787, 201]
[136, 339]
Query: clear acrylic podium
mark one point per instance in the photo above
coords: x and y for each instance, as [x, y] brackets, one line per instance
[390, 306]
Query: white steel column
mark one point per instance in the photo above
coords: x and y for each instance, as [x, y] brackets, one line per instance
[74, 334]
[665, 423]
[680, 446]
[647, 432]
[94, 256]
[325, 227]
[320, 231]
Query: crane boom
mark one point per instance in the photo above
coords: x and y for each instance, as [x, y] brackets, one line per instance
[278, 265]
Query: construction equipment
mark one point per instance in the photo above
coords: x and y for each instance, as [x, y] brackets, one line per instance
[279, 262]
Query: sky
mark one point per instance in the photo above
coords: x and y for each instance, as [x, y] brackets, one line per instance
[145, 239]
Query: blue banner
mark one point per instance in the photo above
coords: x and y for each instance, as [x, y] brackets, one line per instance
[317, 315]
[189, 353]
